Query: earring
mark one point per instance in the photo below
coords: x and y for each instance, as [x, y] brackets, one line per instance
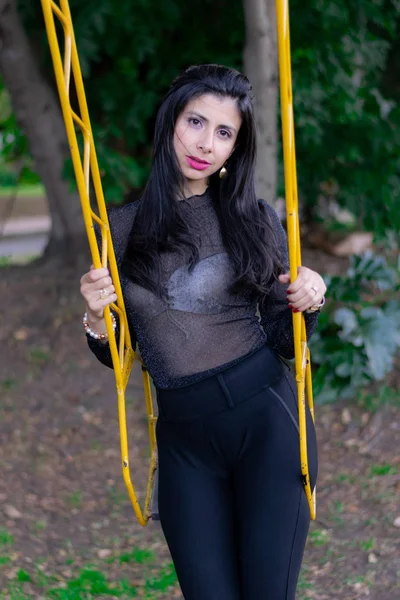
[223, 172]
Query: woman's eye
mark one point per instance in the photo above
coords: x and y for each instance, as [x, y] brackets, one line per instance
[224, 133]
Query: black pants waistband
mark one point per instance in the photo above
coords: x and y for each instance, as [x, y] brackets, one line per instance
[221, 391]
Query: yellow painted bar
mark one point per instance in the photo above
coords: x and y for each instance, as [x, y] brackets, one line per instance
[302, 354]
[87, 173]
[123, 356]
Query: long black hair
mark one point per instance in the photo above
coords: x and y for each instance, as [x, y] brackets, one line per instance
[160, 224]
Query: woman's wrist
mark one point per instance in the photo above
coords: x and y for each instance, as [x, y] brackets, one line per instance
[95, 321]
[96, 327]
[316, 307]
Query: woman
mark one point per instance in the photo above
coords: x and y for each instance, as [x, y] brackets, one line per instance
[198, 256]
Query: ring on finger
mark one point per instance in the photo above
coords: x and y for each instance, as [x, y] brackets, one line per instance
[315, 289]
[104, 293]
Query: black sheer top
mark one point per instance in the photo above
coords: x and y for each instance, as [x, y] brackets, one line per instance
[200, 328]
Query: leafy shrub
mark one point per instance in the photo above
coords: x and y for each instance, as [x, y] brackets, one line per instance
[359, 331]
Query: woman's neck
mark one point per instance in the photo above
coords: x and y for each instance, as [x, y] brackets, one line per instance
[195, 188]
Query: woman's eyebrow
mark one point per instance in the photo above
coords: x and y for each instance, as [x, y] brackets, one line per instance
[203, 118]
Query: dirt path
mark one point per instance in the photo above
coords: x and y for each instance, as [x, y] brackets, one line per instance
[67, 529]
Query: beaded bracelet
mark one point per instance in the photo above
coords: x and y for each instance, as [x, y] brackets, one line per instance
[97, 336]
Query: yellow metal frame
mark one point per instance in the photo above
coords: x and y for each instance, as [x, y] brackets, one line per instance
[302, 353]
[87, 174]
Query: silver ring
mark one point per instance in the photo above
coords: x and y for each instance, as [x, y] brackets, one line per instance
[103, 293]
[315, 289]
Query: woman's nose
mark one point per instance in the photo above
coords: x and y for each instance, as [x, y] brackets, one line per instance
[205, 143]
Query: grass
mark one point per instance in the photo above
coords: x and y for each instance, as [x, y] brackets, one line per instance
[137, 555]
[336, 512]
[8, 384]
[34, 190]
[39, 526]
[116, 497]
[303, 585]
[39, 356]
[319, 537]
[345, 478]
[5, 261]
[75, 499]
[373, 401]
[367, 545]
[90, 583]
[5, 537]
[381, 470]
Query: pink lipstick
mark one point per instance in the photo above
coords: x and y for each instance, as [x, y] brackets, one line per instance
[197, 163]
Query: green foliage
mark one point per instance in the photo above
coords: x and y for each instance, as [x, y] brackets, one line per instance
[13, 148]
[373, 399]
[346, 92]
[347, 109]
[367, 545]
[381, 470]
[164, 580]
[130, 52]
[23, 576]
[5, 537]
[91, 583]
[359, 332]
[319, 537]
[75, 499]
[136, 556]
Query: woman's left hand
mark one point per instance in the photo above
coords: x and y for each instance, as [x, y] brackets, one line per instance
[305, 291]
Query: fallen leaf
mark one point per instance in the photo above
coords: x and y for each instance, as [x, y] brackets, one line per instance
[365, 418]
[12, 573]
[21, 334]
[346, 416]
[12, 512]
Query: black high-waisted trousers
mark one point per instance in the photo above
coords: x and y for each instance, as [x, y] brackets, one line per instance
[231, 501]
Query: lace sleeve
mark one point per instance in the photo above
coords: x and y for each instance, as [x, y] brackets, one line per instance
[121, 220]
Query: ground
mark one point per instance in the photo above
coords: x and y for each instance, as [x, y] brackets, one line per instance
[67, 529]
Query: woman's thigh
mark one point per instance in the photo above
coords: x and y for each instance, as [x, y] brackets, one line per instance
[196, 513]
[272, 509]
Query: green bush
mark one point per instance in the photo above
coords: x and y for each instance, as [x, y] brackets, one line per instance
[359, 332]
[8, 178]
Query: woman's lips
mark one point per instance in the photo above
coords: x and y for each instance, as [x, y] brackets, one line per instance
[195, 164]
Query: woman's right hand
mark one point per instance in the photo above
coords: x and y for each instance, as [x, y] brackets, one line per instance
[91, 285]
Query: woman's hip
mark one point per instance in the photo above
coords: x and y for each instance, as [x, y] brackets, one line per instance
[222, 391]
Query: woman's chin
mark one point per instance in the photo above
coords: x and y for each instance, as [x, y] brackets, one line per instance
[192, 175]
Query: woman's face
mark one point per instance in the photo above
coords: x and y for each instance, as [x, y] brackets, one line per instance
[204, 138]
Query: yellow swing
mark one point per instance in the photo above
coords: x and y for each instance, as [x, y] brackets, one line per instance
[87, 172]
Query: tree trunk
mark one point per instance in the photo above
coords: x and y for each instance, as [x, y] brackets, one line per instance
[261, 67]
[39, 116]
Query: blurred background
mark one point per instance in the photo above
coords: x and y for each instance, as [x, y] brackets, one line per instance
[67, 530]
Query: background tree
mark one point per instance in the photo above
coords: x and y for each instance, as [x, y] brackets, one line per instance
[261, 67]
[38, 114]
[346, 104]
